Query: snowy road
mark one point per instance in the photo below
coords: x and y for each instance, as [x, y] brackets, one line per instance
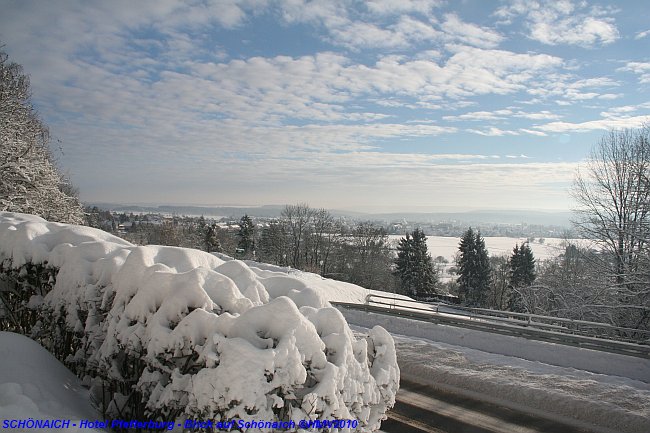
[421, 408]
[475, 390]
[484, 390]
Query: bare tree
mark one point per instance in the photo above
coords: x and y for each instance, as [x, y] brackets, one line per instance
[370, 259]
[499, 285]
[613, 197]
[320, 240]
[298, 219]
[570, 287]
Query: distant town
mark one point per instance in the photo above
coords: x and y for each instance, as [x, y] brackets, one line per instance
[516, 224]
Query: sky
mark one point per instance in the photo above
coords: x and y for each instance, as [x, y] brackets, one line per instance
[382, 105]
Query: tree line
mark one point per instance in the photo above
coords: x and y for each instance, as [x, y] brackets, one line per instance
[302, 238]
[313, 240]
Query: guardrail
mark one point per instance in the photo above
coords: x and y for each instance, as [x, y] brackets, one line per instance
[530, 329]
[558, 324]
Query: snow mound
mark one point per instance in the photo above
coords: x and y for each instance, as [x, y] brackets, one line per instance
[33, 384]
[186, 334]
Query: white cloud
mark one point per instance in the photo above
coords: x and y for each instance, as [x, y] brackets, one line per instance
[492, 132]
[642, 35]
[542, 115]
[415, 30]
[348, 26]
[144, 89]
[480, 115]
[611, 96]
[328, 12]
[513, 9]
[358, 34]
[532, 132]
[592, 125]
[393, 7]
[391, 24]
[317, 86]
[625, 110]
[562, 22]
[571, 89]
[642, 69]
[586, 31]
[470, 33]
[502, 115]
[454, 181]
[123, 83]
[496, 71]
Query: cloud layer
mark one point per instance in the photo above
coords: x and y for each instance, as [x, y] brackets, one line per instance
[333, 102]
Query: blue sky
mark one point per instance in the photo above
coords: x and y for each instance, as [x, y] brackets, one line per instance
[381, 105]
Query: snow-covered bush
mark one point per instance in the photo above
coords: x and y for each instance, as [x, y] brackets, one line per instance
[173, 333]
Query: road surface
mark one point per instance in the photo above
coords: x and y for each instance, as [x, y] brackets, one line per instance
[420, 408]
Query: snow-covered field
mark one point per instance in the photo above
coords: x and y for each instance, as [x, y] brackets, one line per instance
[447, 247]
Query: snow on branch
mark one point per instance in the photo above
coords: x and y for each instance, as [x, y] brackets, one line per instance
[166, 332]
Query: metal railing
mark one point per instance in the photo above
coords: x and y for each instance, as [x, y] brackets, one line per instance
[592, 335]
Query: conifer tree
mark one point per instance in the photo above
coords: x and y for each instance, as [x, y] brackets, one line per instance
[246, 235]
[415, 270]
[210, 239]
[522, 274]
[474, 269]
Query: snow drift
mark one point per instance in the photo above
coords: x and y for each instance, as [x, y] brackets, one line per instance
[173, 333]
[33, 384]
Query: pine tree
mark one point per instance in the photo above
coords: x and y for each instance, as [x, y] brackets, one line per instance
[404, 263]
[273, 244]
[246, 234]
[473, 269]
[522, 274]
[210, 238]
[415, 270]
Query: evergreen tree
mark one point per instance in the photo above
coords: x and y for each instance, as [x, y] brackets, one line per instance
[473, 269]
[415, 266]
[210, 238]
[522, 274]
[273, 244]
[246, 235]
[404, 262]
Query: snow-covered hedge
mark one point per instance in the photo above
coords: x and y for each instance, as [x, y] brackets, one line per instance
[173, 333]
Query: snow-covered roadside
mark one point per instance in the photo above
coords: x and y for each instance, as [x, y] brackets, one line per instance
[34, 384]
[604, 403]
[532, 350]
